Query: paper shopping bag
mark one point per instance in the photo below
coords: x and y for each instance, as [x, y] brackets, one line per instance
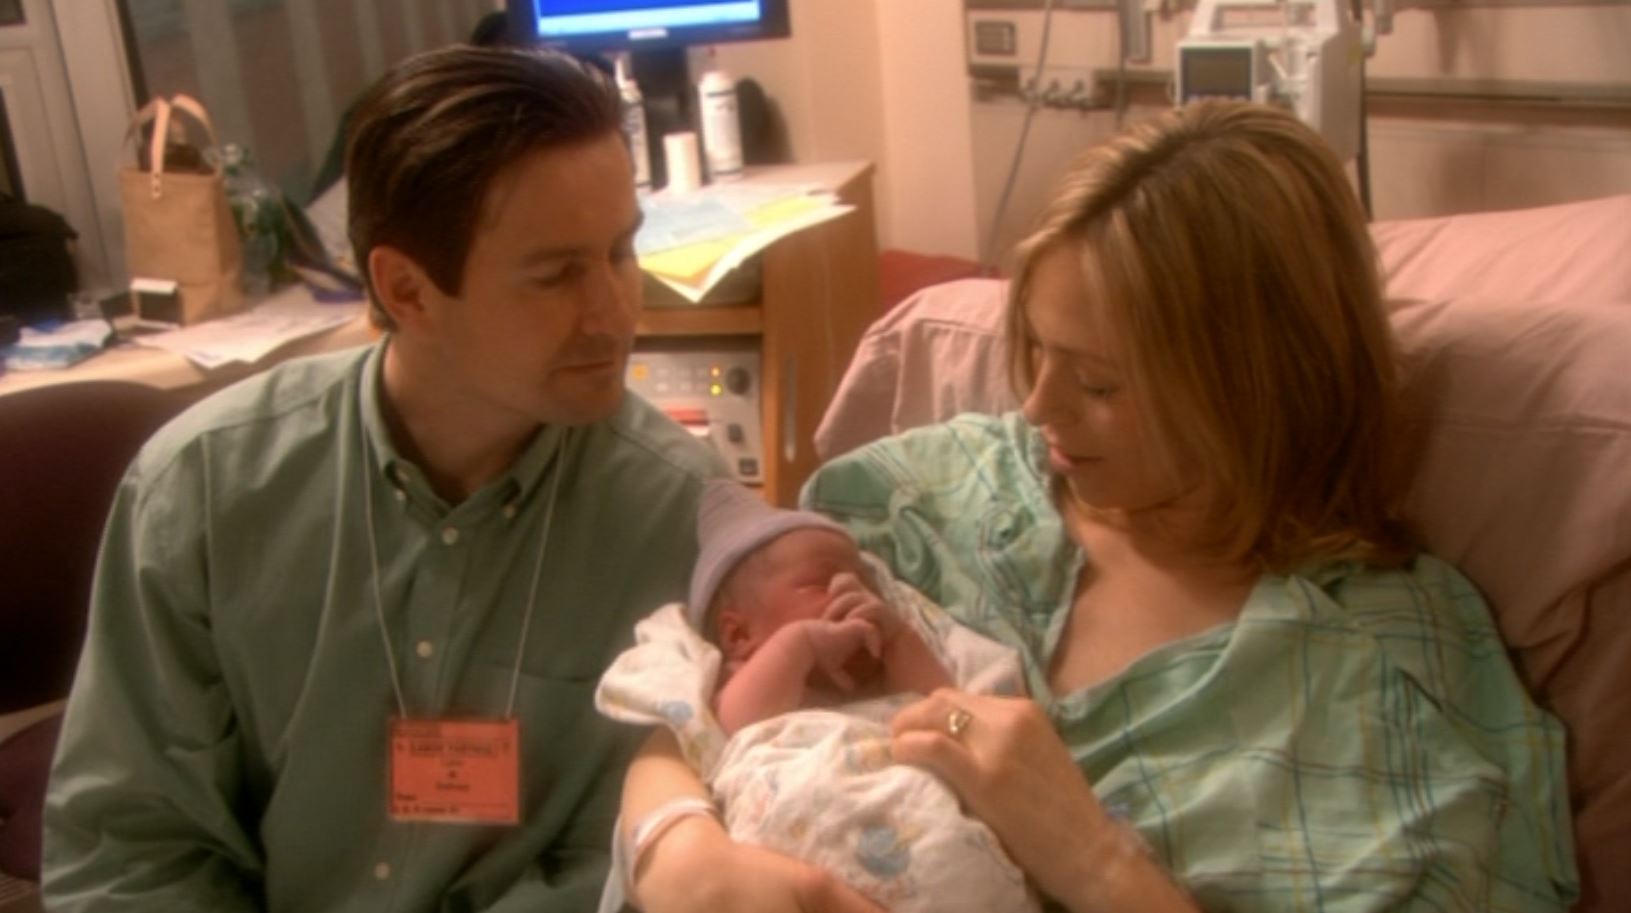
[178, 225]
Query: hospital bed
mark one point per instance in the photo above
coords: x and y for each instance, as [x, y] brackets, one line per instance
[1515, 329]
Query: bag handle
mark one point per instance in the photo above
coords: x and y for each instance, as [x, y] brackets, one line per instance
[148, 112]
[159, 111]
[190, 106]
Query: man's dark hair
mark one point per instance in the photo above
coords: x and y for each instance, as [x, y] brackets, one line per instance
[429, 138]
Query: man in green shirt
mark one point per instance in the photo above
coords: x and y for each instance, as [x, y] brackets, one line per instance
[349, 614]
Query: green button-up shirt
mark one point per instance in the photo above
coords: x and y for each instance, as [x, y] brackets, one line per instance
[225, 746]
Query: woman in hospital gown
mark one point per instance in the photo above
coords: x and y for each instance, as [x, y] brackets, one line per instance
[1249, 690]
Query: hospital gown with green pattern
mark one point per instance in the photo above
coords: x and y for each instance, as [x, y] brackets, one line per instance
[1356, 740]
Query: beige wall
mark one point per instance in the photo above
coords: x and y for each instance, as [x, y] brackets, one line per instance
[1427, 158]
[885, 80]
[1554, 42]
[929, 159]
[825, 82]
[1430, 158]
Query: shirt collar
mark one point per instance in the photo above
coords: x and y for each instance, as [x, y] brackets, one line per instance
[515, 484]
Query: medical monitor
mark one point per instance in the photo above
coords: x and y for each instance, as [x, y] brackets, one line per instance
[655, 34]
[1217, 69]
[594, 26]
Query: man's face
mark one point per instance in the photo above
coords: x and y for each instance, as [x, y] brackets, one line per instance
[541, 330]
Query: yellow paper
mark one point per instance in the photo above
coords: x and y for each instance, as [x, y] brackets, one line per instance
[694, 269]
[691, 262]
[768, 215]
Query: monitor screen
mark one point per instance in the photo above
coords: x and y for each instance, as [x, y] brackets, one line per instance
[614, 25]
[1215, 72]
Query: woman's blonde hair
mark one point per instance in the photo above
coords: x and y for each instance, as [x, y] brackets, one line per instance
[1234, 261]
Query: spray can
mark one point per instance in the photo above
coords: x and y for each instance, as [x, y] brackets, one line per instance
[721, 124]
[634, 123]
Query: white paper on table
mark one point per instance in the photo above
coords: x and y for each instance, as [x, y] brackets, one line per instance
[749, 245]
[672, 222]
[284, 317]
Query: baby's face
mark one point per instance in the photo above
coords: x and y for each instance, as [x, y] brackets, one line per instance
[787, 580]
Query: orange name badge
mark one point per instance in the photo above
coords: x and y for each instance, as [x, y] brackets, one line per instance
[457, 772]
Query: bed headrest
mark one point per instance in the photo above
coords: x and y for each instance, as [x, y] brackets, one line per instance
[938, 354]
[1570, 252]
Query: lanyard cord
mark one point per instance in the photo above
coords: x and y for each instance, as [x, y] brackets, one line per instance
[532, 589]
[537, 572]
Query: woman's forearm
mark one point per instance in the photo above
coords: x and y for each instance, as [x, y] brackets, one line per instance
[1118, 873]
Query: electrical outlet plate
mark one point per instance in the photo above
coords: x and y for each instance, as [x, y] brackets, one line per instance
[1079, 41]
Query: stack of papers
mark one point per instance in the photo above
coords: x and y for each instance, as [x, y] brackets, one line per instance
[690, 241]
[286, 316]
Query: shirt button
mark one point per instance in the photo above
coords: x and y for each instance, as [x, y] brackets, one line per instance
[509, 511]
[382, 870]
[425, 649]
[399, 494]
[450, 536]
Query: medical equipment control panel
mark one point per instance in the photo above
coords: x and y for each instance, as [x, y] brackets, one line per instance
[1303, 54]
[712, 391]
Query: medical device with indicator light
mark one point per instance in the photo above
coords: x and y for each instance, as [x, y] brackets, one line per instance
[711, 390]
[1303, 54]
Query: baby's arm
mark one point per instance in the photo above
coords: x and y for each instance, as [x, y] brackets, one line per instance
[772, 680]
[908, 663]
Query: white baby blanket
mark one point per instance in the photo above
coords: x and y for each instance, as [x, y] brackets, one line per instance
[819, 785]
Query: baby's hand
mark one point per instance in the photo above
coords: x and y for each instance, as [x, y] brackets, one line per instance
[850, 598]
[833, 643]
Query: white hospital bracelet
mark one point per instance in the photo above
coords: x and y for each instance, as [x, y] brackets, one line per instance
[657, 821]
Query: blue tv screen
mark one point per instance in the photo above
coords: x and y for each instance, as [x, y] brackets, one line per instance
[601, 25]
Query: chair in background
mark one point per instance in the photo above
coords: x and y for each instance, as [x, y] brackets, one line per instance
[902, 272]
[63, 450]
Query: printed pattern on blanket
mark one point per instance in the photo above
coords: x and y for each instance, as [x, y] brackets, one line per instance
[818, 784]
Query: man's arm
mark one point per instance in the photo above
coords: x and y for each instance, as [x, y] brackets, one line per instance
[695, 866]
[141, 809]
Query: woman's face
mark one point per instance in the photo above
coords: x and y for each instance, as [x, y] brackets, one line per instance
[1098, 443]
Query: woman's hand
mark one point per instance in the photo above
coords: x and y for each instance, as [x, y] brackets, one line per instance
[696, 868]
[1011, 770]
